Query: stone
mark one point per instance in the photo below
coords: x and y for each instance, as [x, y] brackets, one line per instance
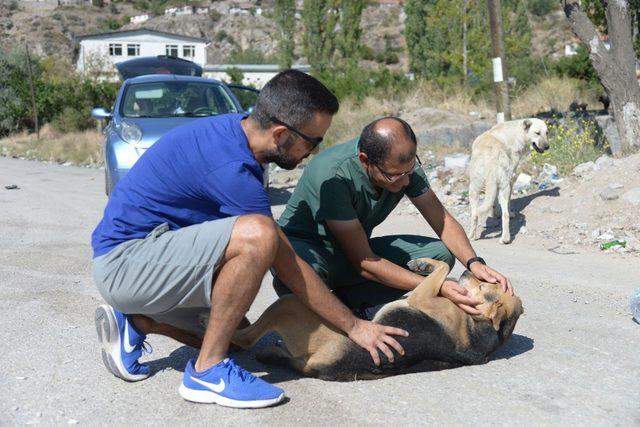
[603, 161]
[583, 168]
[608, 194]
[457, 160]
[444, 173]
[632, 196]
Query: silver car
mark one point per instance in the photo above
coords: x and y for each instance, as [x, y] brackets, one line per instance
[148, 106]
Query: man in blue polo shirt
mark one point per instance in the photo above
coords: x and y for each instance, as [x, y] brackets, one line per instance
[187, 236]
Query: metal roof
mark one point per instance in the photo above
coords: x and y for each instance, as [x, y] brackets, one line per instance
[139, 31]
[265, 68]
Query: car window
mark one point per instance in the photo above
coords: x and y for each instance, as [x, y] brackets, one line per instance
[247, 96]
[176, 99]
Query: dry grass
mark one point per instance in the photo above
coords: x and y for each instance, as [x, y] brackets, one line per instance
[552, 93]
[353, 116]
[79, 148]
[84, 148]
[456, 99]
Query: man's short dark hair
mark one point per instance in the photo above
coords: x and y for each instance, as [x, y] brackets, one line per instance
[377, 145]
[293, 97]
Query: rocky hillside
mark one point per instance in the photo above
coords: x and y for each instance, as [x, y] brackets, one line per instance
[49, 29]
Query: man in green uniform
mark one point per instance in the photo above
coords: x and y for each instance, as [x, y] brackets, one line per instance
[345, 192]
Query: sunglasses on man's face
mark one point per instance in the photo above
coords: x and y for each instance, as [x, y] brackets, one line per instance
[313, 140]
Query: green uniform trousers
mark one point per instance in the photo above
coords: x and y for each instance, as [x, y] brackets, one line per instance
[356, 292]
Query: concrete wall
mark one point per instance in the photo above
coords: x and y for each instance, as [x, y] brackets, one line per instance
[96, 50]
[256, 78]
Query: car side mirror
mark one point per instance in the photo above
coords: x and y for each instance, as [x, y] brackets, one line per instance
[100, 113]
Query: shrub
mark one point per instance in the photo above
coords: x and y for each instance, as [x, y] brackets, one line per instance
[71, 120]
[570, 144]
[249, 56]
[542, 7]
[222, 35]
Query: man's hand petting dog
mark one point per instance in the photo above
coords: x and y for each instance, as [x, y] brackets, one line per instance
[459, 296]
[488, 274]
[373, 337]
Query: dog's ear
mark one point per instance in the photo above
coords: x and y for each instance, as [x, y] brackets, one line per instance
[495, 314]
[466, 278]
[527, 124]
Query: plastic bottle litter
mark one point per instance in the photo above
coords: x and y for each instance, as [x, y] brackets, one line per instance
[634, 304]
[611, 244]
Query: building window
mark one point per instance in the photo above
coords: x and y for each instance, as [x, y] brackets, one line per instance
[172, 50]
[115, 49]
[188, 51]
[133, 50]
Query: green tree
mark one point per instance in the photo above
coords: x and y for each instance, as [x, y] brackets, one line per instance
[285, 19]
[320, 20]
[15, 101]
[595, 9]
[348, 37]
[415, 33]
[434, 34]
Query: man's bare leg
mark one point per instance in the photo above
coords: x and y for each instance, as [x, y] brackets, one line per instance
[250, 252]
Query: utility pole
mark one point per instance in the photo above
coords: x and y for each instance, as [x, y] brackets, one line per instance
[34, 108]
[498, 61]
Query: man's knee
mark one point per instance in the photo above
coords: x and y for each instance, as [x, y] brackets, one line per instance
[437, 250]
[446, 256]
[256, 234]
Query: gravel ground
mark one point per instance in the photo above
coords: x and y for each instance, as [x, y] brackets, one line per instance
[573, 357]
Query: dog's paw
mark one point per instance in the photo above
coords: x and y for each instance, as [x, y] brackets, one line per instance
[505, 240]
[421, 266]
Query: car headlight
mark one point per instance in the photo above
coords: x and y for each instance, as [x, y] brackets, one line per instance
[130, 133]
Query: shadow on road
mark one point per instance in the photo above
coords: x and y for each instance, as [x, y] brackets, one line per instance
[494, 224]
[179, 357]
[517, 345]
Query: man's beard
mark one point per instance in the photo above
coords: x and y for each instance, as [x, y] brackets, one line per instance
[281, 157]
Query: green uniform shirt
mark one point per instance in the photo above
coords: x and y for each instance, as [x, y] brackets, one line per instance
[335, 186]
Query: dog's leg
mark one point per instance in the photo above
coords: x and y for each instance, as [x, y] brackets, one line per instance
[247, 337]
[277, 355]
[503, 198]
[430, 286]
[512, 214]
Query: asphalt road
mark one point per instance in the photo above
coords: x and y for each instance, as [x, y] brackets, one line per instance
[574, 357]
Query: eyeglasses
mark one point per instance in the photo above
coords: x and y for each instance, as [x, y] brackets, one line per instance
[393, 177]
[314, 140]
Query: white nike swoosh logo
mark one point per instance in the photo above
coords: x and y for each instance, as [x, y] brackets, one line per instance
[218, 388]
[127, 345]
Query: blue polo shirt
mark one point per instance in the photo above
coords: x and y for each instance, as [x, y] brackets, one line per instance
[199, 172]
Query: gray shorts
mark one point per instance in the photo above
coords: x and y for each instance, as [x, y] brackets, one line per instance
[166, 276]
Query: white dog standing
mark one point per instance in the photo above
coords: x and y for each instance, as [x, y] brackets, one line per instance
[495, 156]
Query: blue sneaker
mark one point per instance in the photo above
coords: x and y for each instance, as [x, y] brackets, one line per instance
[227, 384]
[122, 344]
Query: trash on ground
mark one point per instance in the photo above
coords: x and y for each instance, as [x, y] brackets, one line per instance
[612, 244]
[457, 160]
[634, 305]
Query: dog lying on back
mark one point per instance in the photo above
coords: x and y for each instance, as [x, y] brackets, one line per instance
[495, 156]
[441, 335]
